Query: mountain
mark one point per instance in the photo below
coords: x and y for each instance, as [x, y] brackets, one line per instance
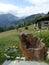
[6, 19]
[31, 17]
[9, 19]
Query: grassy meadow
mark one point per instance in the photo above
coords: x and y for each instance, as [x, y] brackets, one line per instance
[11, 38]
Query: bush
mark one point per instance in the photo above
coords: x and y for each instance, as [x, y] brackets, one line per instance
[12, 53]
[26, 28]
[10, 28]
[2, 57]
[45, 36]
[1, 29]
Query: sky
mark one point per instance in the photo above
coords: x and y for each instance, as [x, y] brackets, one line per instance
[24, 7]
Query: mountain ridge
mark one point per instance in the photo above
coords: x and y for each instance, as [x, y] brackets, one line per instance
[8, 19]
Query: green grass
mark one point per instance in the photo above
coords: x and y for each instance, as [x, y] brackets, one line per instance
[45, 36]
[11, 38]
[8, 39]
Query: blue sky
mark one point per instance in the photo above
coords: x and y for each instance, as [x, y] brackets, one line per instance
[24, 7]
[16, 2]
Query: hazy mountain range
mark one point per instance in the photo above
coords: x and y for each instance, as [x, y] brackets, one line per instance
[7, 19]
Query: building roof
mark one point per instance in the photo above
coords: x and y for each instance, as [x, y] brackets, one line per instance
[44, 18]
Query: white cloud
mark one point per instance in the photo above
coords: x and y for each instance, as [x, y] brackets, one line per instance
[17, 10]
[40, 7]
[6, 7]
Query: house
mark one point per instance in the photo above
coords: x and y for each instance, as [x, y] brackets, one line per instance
[43, 21]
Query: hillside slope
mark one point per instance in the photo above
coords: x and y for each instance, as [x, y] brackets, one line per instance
[6, 19]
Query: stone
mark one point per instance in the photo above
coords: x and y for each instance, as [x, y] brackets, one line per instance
[16, 62]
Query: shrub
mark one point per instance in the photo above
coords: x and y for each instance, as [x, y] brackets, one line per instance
[12, 53]
[26, 28]
[2, 57]
[45, 36]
